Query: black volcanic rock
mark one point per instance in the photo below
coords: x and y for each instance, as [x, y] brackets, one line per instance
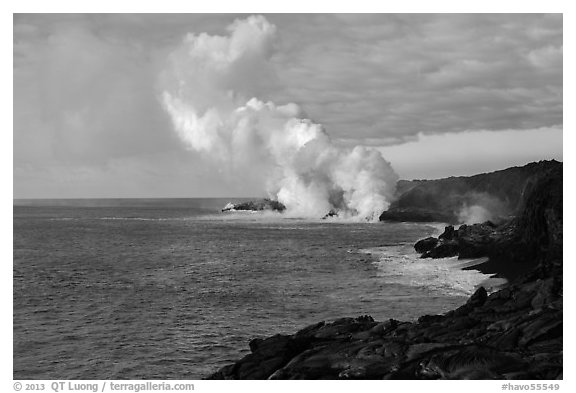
[331, 213]
[416, 215]
[425, 244]
[499, 193]
[514, 333]
[266, 357]
[478, 298]
[468, 241]
[443, 249]
[540, 226]
[476, 240]
[258, 205]
[490, 337]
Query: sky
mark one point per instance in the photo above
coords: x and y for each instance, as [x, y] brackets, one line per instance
[437, 94]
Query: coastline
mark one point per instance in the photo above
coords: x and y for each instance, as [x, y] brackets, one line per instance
[513, 333]
[501, 271]
[503, 268]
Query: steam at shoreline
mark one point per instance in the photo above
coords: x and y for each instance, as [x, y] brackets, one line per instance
[210, 90]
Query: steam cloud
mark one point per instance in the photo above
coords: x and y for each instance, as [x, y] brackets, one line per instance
[209, 90]
[474, 214]
[481, 207]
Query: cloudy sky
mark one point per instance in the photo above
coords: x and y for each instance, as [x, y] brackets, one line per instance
[439, 95]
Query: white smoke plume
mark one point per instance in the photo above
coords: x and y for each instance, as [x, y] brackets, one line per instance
[474, 214]
[210, 90]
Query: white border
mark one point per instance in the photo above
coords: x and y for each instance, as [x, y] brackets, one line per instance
[268, 6]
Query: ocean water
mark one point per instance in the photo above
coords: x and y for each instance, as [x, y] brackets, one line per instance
[174, 289]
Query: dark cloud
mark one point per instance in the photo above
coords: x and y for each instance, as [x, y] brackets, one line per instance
[85, 86]
[400, 75]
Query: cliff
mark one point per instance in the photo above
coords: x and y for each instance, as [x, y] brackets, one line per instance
[495, 196]
[517, 244]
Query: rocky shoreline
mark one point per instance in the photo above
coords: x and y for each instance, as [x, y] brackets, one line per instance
[514, 333]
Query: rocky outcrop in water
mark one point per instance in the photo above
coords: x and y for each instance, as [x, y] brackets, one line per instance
[258, 205]
[468, 241]
[514, 333]
[425, 245]
[495, 196]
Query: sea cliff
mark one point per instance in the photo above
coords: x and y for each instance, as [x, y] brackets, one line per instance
[496, 196]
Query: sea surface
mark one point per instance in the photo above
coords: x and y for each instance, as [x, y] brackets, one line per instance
[175, 289]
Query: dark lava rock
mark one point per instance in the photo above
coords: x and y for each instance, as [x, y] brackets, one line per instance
[478, 298]
[443, 249]
[475, 240]
[417, 215]
[425, 244]
[268, 355]
[468, 241]
[259, 205]
[449, 233]
[331, 213]
[446, 245]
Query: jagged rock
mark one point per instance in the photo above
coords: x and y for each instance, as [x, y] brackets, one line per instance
[468, 241]
[449, 233]
[416, 351]
[268, 356]
[427, 319]
[417, 215]
[254, 344]
[475, 240]
[425, 244]
[384, 327]
[507, 340]
[544, 328]
[343, 327]
[444, 249]
[545, 295]
[258, 205]
[478, 298]
[469, 360]
[331, 213]
[311, 330]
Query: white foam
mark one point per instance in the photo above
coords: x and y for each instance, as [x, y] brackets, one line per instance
[229, 206]
[401, 265]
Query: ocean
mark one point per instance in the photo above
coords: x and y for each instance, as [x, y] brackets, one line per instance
[175, 289]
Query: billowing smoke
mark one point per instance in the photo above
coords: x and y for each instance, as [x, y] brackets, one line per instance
[210, 90]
